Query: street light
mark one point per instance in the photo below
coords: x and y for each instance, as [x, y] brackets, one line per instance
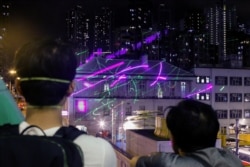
[12, 73]
[102, 124]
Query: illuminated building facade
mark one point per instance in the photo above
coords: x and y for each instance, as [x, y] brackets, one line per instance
[106, 86]
[230, 95]
[111, 89]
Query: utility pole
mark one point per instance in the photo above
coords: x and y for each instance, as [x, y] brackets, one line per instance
[237, 137]
[113, 124]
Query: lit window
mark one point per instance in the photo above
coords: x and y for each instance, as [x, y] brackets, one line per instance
[202, 79]
[159, 92]
[203, 96]
[235, 97]
[183, 89]
[221, 114]
[80, 105]
[106, 87]
[235, 113]
[221, 97]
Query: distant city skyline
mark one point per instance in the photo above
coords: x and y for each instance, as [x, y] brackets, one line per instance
[53, 12]
[43, 17]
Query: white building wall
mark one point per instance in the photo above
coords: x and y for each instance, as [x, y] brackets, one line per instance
[96, 100]
[212, 73]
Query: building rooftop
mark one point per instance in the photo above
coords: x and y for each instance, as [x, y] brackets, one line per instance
[144, 67]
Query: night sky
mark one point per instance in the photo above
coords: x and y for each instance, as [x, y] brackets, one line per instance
[50, 14]
[32, 18]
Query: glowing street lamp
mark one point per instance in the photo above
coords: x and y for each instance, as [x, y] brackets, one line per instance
[12, 72]
[102, 124]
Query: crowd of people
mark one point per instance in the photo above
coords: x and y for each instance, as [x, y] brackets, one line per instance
[46, 69]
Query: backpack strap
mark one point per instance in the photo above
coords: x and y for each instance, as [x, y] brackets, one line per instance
[33, 126]
[200, 160]
[68, 132]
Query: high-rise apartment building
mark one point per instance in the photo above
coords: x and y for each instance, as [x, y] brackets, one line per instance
[140, 22]
[140, 13]
[5, 60]
[195, 22]
[213, 21]
[103, 29]
[5, 14]
[78, 31]
[164, 19]
[221, 18]
[164, 24]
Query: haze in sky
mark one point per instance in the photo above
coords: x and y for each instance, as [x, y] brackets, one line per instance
[36, 17]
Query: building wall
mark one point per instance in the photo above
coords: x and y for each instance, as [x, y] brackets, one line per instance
[101, 110]
[243, 105]
[111, 98]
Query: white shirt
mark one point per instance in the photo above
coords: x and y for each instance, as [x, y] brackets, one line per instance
[97, 152]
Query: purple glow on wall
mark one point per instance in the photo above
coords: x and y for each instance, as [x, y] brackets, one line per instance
[90, 85]
[103, 70]
[114, 83]
[132, 68]
[120, 78]
[203, 90]
[80, 105]
[90, 58]
[162, 78]
[159, 76]
[87, 84]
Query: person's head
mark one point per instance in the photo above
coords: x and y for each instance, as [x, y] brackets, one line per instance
[46, 69]
[193, 125]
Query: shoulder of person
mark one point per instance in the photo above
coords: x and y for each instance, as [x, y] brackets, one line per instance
[27, 129]
[155, 159]
[97, 150]
[90, 139]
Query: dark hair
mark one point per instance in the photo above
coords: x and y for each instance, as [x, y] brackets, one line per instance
[193, 125]
[50, 59]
